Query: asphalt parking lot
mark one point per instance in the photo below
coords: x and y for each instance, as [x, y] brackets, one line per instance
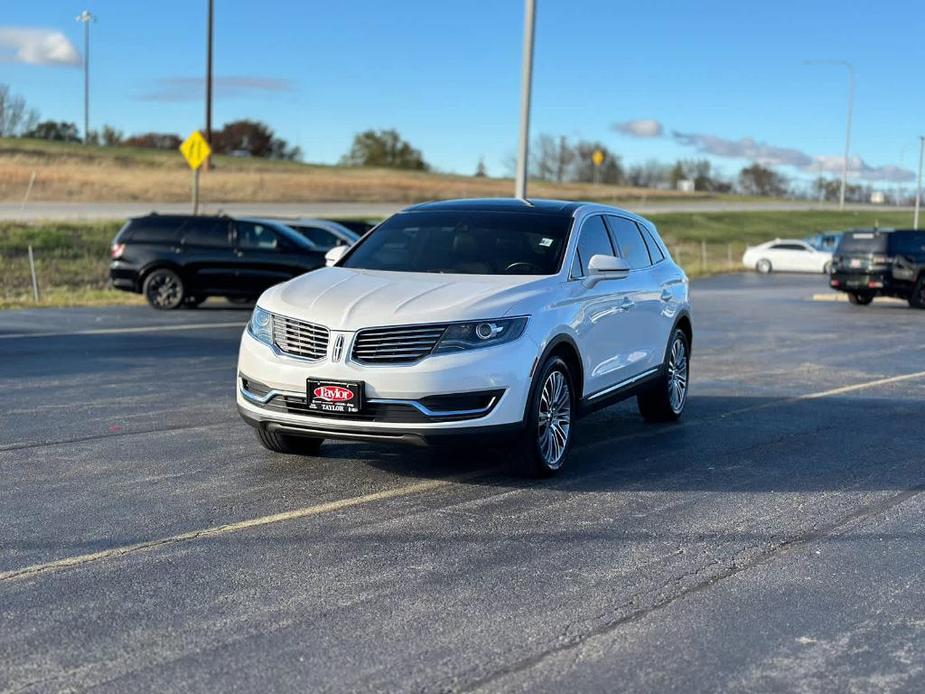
[772, 540]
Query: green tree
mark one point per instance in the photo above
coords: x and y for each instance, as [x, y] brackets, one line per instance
[383, 148]
[760, 180]
[60, 131]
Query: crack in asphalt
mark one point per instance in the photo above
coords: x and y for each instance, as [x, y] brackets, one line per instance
[860, 513]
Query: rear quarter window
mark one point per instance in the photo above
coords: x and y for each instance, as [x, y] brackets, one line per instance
[151, 231]
[907, 243]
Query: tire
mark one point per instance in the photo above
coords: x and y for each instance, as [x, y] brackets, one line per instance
[164, 289]
[665, 400]
[917, 300]
[860, 299]
[283, 443]
[827, 268]
[764, 266]
[543, 447]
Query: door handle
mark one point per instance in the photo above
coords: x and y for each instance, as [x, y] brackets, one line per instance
[666, 295]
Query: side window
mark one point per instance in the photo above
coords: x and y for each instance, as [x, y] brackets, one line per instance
[907, 243]
[210, 233]
[593, 241]
[630, 242]
[655, 250]
[789, 247]
[322, 238]
[153, 230]
[256, 237]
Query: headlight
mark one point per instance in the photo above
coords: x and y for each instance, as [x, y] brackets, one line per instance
[483, 333]
[260, 326]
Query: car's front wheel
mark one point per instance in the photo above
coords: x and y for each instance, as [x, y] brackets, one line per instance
[284, 443]
[665, 400]
[763, 266]
[544, 446]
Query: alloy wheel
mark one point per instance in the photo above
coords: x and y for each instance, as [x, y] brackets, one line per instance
[555, 419]
[164, 290]
[677, 375]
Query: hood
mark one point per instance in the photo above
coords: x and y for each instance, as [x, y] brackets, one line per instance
[348, 299]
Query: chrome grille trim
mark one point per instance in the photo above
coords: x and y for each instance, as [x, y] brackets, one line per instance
[300, 338]
[395, 345]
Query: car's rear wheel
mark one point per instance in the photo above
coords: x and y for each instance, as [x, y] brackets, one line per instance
[827, 268]
[917, 300]
[763, 266]
[543, 448]
[860, 299]
[163, 289]
[284, 443]
[665, 400]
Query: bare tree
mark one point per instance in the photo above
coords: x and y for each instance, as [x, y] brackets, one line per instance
[15, 117]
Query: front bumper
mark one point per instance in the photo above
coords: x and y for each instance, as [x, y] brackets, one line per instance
[503, 371]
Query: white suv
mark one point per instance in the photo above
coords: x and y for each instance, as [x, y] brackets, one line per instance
[478, 318]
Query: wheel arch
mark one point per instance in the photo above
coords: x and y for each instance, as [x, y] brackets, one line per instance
[564, 346]
[160, 265]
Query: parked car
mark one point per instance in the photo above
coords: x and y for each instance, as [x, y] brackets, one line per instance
[871, 263]
[491, 319]
[324, 234]
[180, 260]
[825, 240]
[786, 255]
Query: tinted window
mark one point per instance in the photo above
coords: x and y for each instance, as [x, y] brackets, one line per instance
[467, 242]
[252, 236]
[907, 243]
[212, 233]
[153, 230]
[655, 251]
[789, 247]
[593, 241]
[630, 242]
[863, 242]
[320, 237]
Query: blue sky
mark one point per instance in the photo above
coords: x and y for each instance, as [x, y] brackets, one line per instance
[447, 74]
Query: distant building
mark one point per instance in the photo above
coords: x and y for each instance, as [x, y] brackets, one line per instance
[685, 185]
[877, 197]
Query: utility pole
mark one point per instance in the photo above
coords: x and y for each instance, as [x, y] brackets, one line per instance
[520, 186]
[86, 17]
[209, 31]
[918, 190]
[844, 171]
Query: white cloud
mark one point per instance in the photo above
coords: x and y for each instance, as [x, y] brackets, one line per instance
[191, 88]
[642, 127]
[37, 47]
[745, 148]
[858, 168]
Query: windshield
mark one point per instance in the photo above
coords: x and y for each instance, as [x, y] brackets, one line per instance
[465, 242]
[863, 242]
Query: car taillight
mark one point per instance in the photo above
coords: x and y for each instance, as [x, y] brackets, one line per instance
[835, 283]
[117, 250]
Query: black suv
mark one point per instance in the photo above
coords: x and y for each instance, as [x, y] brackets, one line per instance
[179, 260]
[880, 262]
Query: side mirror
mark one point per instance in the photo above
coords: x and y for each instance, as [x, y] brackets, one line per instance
[333, 255]
[606, 267]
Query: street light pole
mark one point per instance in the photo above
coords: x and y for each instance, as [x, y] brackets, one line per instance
[86, 17]
[209, 78]
[523, 145]
[918, 190]
[844, 171]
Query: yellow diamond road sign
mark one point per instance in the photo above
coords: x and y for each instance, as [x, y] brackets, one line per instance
[195, 150]
[597, 157]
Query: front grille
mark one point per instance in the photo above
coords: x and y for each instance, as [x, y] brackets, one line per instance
[300, 338]
[396, 345]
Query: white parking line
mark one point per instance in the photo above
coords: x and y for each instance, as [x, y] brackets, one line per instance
[407, 490]
[126, 331]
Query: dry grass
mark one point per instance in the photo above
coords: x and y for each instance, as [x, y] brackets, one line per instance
[68, 172]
